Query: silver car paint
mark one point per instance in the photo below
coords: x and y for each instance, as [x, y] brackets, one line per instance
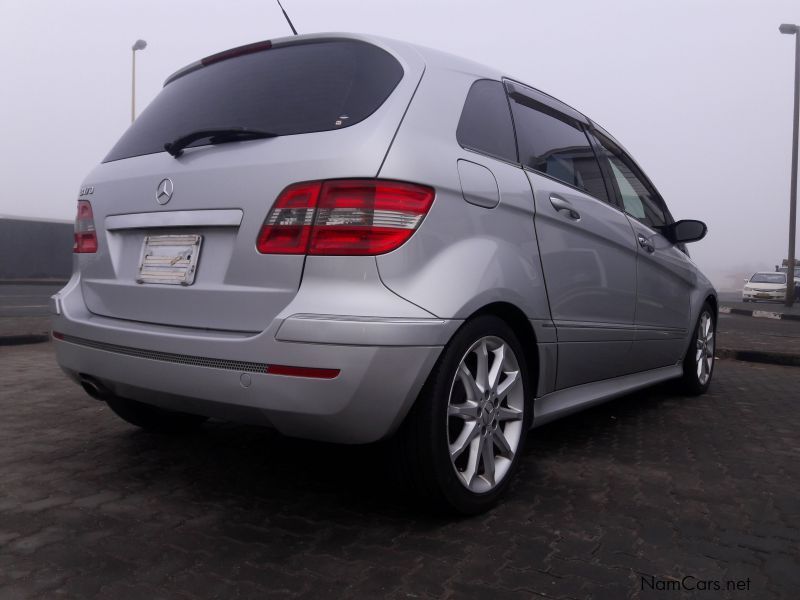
[590, 272]
[382, 320]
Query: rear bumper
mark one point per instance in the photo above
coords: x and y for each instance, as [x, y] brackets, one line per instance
[383, 363]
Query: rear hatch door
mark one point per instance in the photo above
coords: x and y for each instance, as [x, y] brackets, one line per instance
[334, 105]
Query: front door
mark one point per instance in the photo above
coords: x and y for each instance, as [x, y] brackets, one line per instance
[664, 274]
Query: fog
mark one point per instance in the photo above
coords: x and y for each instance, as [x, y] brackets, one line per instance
[699, 91]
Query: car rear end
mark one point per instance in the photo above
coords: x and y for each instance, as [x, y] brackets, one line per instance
[239, 279]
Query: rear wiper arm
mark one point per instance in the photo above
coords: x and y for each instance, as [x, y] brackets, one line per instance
[216, 136]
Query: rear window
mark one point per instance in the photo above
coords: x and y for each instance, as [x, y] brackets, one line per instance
[286, 90]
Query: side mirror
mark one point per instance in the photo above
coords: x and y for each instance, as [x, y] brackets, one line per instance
[685, 231]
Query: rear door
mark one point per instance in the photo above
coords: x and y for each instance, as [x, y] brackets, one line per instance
[586, 244]
[334, 105]
[665, 275]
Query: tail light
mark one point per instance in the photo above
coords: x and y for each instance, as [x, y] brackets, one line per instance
[287, 228]
[85, 234]
[344, 217]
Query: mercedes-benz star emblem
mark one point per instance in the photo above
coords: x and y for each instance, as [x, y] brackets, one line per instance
[164, 191]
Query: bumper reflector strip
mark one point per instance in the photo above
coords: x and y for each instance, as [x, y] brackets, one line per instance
[302, 371]
[201, 361]
[181, 359]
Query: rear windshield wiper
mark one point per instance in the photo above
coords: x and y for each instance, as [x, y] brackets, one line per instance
[216, 136]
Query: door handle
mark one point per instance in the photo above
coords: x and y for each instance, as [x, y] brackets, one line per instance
[562, 205]
[645, 243]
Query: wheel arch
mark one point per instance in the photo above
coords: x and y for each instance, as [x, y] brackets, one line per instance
[712, 300]
[526, 335]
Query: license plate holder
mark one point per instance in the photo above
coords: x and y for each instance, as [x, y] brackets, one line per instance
[169, 259]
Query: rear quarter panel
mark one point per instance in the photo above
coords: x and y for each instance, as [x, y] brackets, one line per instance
[464, 256]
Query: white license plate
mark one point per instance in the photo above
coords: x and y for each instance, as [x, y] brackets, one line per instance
[169, 259]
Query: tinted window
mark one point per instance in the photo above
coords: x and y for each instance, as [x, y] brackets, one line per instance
[557, 146]
[485, 123]
[639, 199]
[286, 90]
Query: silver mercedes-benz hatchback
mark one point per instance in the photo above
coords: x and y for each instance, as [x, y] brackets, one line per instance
[350, 239]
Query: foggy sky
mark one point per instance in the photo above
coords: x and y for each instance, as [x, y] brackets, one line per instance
[700, 91]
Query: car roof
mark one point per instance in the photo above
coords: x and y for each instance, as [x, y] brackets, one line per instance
[432, 58]
[439, 58]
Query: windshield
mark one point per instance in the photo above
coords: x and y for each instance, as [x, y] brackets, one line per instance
[768, 278]
[299, 88]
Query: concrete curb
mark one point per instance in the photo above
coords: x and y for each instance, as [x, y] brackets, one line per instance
[772, 358]
[21, 340]
[760, 314]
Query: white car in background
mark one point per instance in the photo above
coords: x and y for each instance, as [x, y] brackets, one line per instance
[766, 285]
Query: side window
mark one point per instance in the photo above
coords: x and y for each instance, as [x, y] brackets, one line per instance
[638, 199]
[485, 124]
[557, 146]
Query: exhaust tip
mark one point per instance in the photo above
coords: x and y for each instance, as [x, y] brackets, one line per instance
[94, 388]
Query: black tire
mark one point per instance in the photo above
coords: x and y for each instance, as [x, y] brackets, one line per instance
[691, 383]
[423, 442]
[152, 418]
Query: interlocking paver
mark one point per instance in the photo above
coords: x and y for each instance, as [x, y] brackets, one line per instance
[651, 485]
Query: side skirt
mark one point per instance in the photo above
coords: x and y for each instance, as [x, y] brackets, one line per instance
[561, 403]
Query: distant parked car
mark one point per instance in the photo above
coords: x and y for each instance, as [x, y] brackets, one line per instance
[764, 286]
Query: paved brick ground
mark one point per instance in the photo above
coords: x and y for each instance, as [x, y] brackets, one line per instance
[651, 485]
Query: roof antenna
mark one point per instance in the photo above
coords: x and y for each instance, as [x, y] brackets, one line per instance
[288, 20]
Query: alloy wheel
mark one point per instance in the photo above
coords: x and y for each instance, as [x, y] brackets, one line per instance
[704, 357]
[485, 414]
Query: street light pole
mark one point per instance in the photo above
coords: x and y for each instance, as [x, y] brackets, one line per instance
[793, 30]
[138, 45]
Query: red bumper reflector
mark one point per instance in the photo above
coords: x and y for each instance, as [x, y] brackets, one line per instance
[302, 371]
[58, 335]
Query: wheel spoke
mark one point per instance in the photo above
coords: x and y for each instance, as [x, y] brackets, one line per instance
[474, 393]
[512, 377]
[472, 462]
[499, 439]
[467, 411]
[508, 414]
[487, 458]
[470, 432]
[497, 368]
[482, 376]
